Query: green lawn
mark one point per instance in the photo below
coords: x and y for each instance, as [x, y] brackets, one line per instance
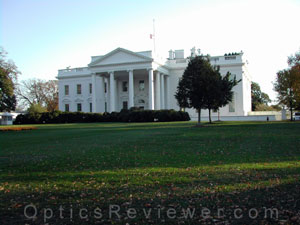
[154, 168]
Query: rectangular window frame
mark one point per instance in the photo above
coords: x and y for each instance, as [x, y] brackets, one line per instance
[90, 88]
[67, 90]
[67, 107]
[125, 105]
[124, 86]
[141, 85]
[79, 91]
[79, 107]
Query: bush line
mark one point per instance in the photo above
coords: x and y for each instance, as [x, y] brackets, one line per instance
[132, 115]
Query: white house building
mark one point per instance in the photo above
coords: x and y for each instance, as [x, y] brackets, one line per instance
[125, 79]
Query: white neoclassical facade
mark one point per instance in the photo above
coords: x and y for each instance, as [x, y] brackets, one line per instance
[125, 79]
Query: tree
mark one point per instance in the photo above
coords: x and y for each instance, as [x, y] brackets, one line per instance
[37, 91]
[51, 95]
[287, 87]
[287, 84]
[192, 89]
[224, 90]
[182, 95]
[203, 87]
[294, 63]
[8, 78]
[258, 97]
[36, 108]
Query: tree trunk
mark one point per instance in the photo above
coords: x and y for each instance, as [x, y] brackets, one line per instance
[218, 114]
[199, 116]
[209, 115]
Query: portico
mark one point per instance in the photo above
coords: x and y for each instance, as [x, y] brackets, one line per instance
[123, 89]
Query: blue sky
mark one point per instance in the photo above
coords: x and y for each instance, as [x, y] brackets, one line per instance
[42, 36]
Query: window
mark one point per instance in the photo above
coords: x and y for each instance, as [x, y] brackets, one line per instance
[124, 86]
[79, 89]
[105, 107]
[232, 104]
[125, 105]
[91, 107]
[91, 88]
[67, 107]
[105, 88]
[79, 107]
[66, 89]
[142, 85]
[141, 101]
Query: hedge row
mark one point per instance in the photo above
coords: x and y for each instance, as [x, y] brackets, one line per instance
[123, 116]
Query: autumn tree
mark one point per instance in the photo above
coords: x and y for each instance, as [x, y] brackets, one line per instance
[287, 84]
[8, 78]
[36, 91]
[287, 87]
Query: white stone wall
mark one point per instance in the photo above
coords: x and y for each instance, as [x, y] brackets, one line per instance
[73, 98]
[121, 61]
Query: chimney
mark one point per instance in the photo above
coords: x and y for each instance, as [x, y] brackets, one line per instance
[179, 54]
[171, 54]
[193, 52]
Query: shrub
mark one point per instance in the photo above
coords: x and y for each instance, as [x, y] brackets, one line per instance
[132, 115]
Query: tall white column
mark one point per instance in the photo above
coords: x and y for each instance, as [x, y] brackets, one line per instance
[131, 90]
[94, 101]
[162, 91]
[102, 95]
[167, 102]
[116, 95]
[157, 91]
[112, 104]
[151, 89]
[107, 94]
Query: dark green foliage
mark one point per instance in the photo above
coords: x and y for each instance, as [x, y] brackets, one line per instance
[182, 94]
[203, 87]
[132, 115]
[258, 97]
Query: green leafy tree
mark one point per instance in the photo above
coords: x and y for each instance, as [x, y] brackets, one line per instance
[195, 79]
[36, 108]
[182, 95]
[258, 97]
[224, 89]
[8, 79]
[203, 87]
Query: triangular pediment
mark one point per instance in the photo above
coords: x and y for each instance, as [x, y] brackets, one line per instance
[120, 56]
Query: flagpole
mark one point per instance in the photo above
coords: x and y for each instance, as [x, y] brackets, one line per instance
[154, 48]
